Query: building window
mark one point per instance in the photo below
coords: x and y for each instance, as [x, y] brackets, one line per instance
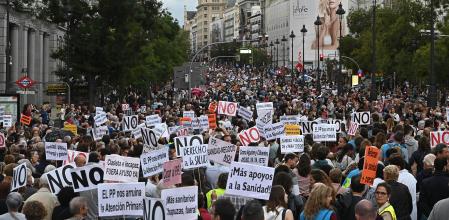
[215, 8]
[205, 23]
[205, 8]
[205, 36]
[215, 0]
[205, 29]
[205, 15]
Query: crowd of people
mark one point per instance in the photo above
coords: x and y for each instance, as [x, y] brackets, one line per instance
[322, 182]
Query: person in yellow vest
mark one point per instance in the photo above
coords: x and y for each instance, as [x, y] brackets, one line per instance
[386, 210]
[219, 191]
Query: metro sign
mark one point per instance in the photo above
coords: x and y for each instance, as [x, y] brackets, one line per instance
[25, 82]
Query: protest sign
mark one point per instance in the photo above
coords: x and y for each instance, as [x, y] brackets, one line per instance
[125, 107]
[98, 110]
[227, 108]
[123, 169]
[56, 151]
[182, 132]
[161, 130]
[19, 176]
[307, 127]
[70, 127]
[26, 120]
[325, 132]
[212, 121]
[181, 203]
[184, 141]
[447, 114]
[292, 144]
[7, 121]
[194, 156]
[353, 128]
[200, 123]
[188, 114]
[362, 118]
[2, 140]
[245, 113]
[130, 123]
[264, 106]
[220, 151]
[149, 137]
[143, 108]
[437, 137]
[290, 119]
[151, 120]
[337, 123]
[119, 199]
[72, 154]
[292, 129]
[153, 209]
[153, 161]
[172, 172]
[59, 178]
[100, 119]
[212, 107]
[264, 118]
[2, 112]
[249, 136]
[99, 132]
[136, 132]
[254, 155]
[370, 165]
[273, 131]
[250, 181]
[86, 177]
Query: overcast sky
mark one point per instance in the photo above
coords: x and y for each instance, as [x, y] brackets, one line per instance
[176, 7]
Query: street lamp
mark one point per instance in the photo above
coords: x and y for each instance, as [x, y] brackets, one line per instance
[277, 52]
[340, 12]
[271, 53]
[318, 23]
[283, 49]
[303, 31]
[292, 36]
[373, 95]
[432, 96]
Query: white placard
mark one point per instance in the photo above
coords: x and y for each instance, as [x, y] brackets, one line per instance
[125, 107]
[99, 132]
[325, 132]
[7, 121]
[59, 178]
[120, 199]
[273, 131]
[227, 108]
[254, 155]
[437, 137]
[19, 176]
[100, 118]
[362, 118]
[130, 123]
[98, 110]
[56, 151]
[122, 169]
[264, 118]
[188, 114]
[194, 156]
[151, 120]
[250, 181]
[353, 128]
[292, 144]
[181, 203]
[290, 119]
[72, 154]
[251, 135]
[87, 177]
[149, 137]
[245, 113]
[264, 106]
[200, 123]
[307, 127]
[153, 209]
[220, 151]
[185, 141]
[161, 130]
[153, 161]
[137, 133]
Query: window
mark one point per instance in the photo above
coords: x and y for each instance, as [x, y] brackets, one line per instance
[205, 23]
[205, 8]
[205, 15]
[205, 36]
[215, 0]
[205, 29]
[215, 8]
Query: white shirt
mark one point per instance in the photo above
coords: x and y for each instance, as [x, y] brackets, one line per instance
[409, 180]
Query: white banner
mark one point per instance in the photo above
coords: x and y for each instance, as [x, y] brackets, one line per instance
[362, 118]
[151, 120]
[122, 169]
[153, 161]
[251, 135]
[98, 110]
[56, 151]
[220, 151]
[264, 106]
[7, 121]
[188, 114]
[130, 123]
[200, 123]
[181, 203]
[254, 155]
[325, 132]
[290, 119]
[264, 118]
[99, 132]
[120, 199]
[59, 178]
[149, 137]
[19, 176]
[136, 132]
[245, 113]
[87, 177]
[227, 108]
[185, 141]
[292, 144]
[153, 209]
[194, 156]
[100, 118]
[273, 131]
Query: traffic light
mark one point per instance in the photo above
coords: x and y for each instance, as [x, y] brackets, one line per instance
[321, 57]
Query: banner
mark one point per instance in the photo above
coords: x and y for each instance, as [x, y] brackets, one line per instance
[172, 172]
[59, 178]
[437, 137]
[19, 176]
[100, 119]
[153, 209]
[185, 141]
[98, 110]
[254, 155]
[325, 132]
[194, 156]
[99, 132]
[292, 129]
[130, 123]
[86, 177]
[181, 203]
[261, 106]
[188, 114]
[136, 132]
[122, 169]
[249, 136]
[221, 152]
[120, 199]
[200, 123]
[264, 118]
[250, 181]
[149, 137]
[292, 144]
[227, 108]
[151, 120]
[361, 118]
[245, 113]
[153, 161]
[56, 151]
[370, 165]
[212, 118]
[7, 121]
[273, 131]
[289, 119]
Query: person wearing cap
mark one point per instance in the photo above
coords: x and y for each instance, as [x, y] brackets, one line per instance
[13, 201]
[427, 171]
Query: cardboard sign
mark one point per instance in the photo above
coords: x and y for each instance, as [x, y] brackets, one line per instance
[273, 131]
[87, 177]
[185, 141]
[182, 132]
[264, 106]
[194, 156]
[59, 178]
[143, 108]
[123, 169]
[172, 172]
[151, 120]
[7, 121]
[188, 114]
[254, 155]
[153, 161]
[245, 113]
[212, 107]
[227, 108]
[212, 121]
[249, 136]
[353, 128]
[181, 203]
[200, 123]
[2, 140]
[221, 152]
[137, 133]
[72, 154]
[265, 117]
[325, 132]
[100, 119]
[119, 199]
[337, 123]
[71, 127]
[56, 151]
[250, 181]
[362, 118]
[99, 132]
[153, 209]
[26, 120]
[130, 123]
[292, 129]
[437, 137]
[19, 176]
[290, 119]
[370, 165]
[292, 144]
[125, 107]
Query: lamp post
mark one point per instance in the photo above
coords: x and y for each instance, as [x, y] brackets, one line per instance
[283, 50]
[292, 36]
[432, 96]
[373, 95]
[340, 12]
[303, 31]
[318, 23]
[271, 53]
[277, 52]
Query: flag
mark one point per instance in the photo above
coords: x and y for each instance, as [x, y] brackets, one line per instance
[299, 65]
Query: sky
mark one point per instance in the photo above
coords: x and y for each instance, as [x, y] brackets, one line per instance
[176, 7]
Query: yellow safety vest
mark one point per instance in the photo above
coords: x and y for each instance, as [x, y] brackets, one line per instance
[389, 209]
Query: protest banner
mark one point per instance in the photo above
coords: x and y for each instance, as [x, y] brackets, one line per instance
[181, 203]
[227, 108]
[212, 107]
[273, 131]
[7, 121]
[307, 127]
[188, 114]
[292, 144]
[245, 113]
[19, 176]
[130, 123]
[264, 118]
[337, 123]
[325, 132]
[26, 120]
[264, 106]
[250, 180]
[70, 127]
[185, 141]
[161, 130]
[143, 108]
[182, 132]
[185, 121]
[212, 121]
[362, 118]
[353, 128]
[122, 169]
[151, 120]
[174, 129]
[56, 151]
[437, 137]
[72, 154]
[290, 119]
[86, 177]
[99, 132]
[194, 156]
[172, 172]
[2, 140]
[98, 110]
[220, 151]
[59, 178]
[292, 129]
[120, 199]
[2, 112]
[200, 123]
[153, 209]
[447, 114]
[100, 119]
[249, 136]
[136, 132]
[153, 161]
[149, 137]
[370, 165]
[254, 155]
